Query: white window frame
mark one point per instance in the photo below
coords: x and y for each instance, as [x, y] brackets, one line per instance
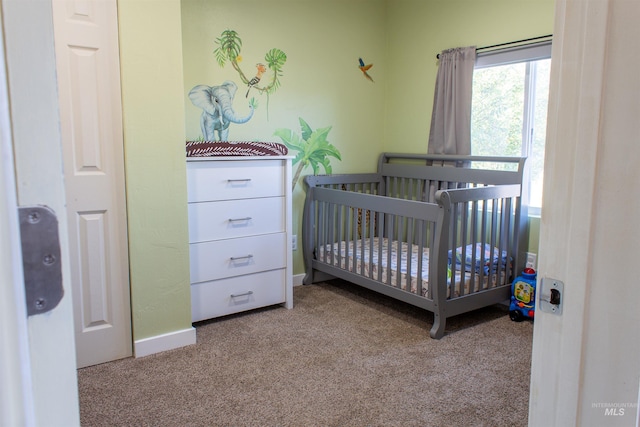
[525, 53]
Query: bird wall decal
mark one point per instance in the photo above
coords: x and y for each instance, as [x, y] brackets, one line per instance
[364, 68]
[255, 80]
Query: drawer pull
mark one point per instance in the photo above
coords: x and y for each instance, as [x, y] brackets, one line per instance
[240, 219]
[246, 294]
[237, 258]
[239, 180]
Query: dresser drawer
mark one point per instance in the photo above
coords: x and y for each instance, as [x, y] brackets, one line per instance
[233, 257]
[235, 218]
[227, 296]
[231, 180]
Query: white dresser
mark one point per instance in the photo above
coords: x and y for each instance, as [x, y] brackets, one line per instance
[239, 234]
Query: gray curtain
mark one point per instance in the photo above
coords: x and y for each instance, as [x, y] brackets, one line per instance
[451, 118]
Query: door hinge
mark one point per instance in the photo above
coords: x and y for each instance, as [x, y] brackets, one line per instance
[40, 258]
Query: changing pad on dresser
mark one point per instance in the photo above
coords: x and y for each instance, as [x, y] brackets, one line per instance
[235, 148]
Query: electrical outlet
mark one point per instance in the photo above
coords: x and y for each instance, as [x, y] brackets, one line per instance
[294, 242]
[532, 260]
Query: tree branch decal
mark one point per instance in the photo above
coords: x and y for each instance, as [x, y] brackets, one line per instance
[229, 48]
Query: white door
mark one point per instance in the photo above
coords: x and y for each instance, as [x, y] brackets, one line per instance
[86, 45]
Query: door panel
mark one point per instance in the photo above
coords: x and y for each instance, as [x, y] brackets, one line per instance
[96, 307]
[86, 43]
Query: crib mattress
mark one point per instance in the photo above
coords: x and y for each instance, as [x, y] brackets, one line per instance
[356, 255]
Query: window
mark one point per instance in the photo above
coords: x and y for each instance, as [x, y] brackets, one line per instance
[509, 108]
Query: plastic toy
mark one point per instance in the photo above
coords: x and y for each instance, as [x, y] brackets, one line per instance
[523, 296]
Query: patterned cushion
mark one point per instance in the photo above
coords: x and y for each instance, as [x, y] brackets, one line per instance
[235, 148]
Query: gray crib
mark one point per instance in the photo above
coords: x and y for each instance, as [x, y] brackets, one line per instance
[444, 233]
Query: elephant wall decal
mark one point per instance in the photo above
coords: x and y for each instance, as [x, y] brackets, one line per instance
[217, 109]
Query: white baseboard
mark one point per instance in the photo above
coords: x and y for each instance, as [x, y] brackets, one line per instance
[164, 342]
[297, 279]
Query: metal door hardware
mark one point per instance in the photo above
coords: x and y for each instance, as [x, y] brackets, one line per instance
[551, 296]
[40, 258]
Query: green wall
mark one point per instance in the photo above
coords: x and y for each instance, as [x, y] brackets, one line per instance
[153, 106]
[167, 48]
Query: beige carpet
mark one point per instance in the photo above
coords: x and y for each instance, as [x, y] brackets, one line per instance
[343, 356]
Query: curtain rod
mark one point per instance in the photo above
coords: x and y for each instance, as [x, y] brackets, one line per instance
[510, 43]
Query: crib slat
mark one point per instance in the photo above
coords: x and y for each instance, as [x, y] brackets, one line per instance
[420, 252]
[510, 232]
[394, 192]
[398, 244]
[404, 188]
[505, 225]
[410, 190]
[494, 238]
[320, 229]
[390, 237]
[473, 276]
[353, 238]
[426, 196]
[410, 231]
[330, 230]
[322, 238]
[371, 238]
[394, 240]
[465, 229]
[483, 238]
[474, 234]
[500, 245]
[452, 247]
[347, 247]
[380, 235]
[362, 232]
[486, 281]
[340, 234]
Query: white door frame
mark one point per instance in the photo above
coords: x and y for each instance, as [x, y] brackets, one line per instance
[42, 389]
[585, 368]
[16, 397]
